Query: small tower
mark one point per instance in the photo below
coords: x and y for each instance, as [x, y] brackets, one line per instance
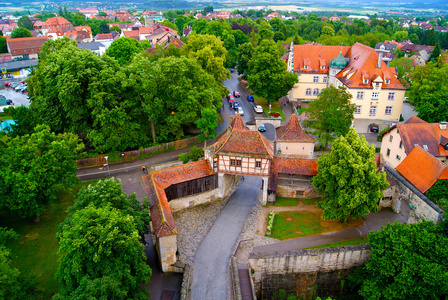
[336, 65]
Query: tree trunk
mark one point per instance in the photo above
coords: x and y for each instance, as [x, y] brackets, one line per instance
[36, 219]
[153, 132]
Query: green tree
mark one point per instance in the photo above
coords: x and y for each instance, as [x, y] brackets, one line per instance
[331, 114]
[123, 48]
[25, 22]
[267, 72]
[435, 53]
[103, 28]
[404, 67]
[210, 53]
[170, 25]
[439, 193]
[328, 30]
[265, 31]
[408, 261]
[180, 22]
[207, 124]
[400, 35]
[98, 243]
[244, 57]
[348, 179]
[25, 120]
[108, 192]
[116, 28]
[20, 32]
[41, 161]
[428, 94]
[413, 37]
[3, 45]
[14, 285]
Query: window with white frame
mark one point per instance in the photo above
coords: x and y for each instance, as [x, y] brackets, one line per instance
[322, 67]
[388, 152]
[377, 84]
[375, 95]
[398, 157]
[308, 92]
[316, 92]
[388, 110]
[258, 164]
[401, 145]
[360, 95]
[358, 109]
[387, 81]
[316, 79]
[372, 110]
[391, 138]
[366, 81]
[391, 96]
[325, 79]
[306, 67]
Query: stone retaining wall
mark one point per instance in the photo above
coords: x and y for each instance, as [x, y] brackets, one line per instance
[421, 206]
[299, 271]
[193, 200]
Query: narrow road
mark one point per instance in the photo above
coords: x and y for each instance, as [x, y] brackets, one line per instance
[211, 264]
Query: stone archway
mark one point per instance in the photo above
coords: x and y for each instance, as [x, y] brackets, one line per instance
[276, 122]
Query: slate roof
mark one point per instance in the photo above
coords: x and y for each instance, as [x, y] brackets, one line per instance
[290, 165]
[18, 65]
[422, 169]
[91, 46]
[292, 132]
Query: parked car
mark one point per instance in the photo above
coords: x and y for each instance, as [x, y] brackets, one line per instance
[13, 85]
[24, 90]
[7, 83]
[240, 111]
[250, 98]
[236, 94]
[262, 128]
[230, 98]
[258, 109]
[231, 103]
[22, 81]
[374, 127]
[2, 97]
[406, 99]
[9, 102]
[236, 105]
[231, 70]
[17, 88]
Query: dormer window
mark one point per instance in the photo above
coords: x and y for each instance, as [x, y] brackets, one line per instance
[387, 81]
[366, 81]
[322, 68]
[306, 67]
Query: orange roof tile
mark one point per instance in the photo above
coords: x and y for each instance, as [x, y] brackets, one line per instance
[182, 173]
[292, 132]
[255, 144]
[422, 169]
[131, 33]
[237, 123]
[30, 44]
[290, 165]
[314, 56]
[414, 119]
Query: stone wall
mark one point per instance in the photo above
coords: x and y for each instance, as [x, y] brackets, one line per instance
[291, 191]
[229, 184]
[421, 206]
[167, 245]
[299, 271]
[193, 200]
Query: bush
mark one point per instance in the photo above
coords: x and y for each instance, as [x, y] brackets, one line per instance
[184, 157]
[195, 153]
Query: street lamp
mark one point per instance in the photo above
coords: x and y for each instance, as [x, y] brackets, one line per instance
[107, 164]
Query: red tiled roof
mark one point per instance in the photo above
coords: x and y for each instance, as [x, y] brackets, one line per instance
[237, 123]
[26, 45]
[422, 169]
[131, 33]
[414, 119]
[292, 132]
[426, 135]
[290, 165]
[313, 55]
[104, 36]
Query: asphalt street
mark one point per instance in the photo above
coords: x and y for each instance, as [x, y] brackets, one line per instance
[211, 264]
[17, 98]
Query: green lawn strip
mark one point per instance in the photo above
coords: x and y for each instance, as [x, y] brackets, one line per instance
[35, 251]
[311, 200]
[283, 201]
[275, 106]
[350, 242]
[297, 224]
[4, 117]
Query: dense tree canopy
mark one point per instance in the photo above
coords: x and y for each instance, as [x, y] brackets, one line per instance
[3, 45]
[408, 261]
[25, 22]
[331, 114]
[101, 246]
[123, 48]
[31, 165]
[348, 179]
[267, 72]
[428, 93]
[20, 32]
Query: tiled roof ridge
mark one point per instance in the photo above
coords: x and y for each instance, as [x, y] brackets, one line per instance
[263, 140]
[159, 204]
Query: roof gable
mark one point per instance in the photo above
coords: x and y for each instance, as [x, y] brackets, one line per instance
[28, 43]
[425, 135]
[292, 132]
[422, 169]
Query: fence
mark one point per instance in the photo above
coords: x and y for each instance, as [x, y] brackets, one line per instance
[129, 155]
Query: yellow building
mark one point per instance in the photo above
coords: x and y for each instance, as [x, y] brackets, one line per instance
[376, 91]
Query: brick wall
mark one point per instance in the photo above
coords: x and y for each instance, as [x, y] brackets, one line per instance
[299, 271]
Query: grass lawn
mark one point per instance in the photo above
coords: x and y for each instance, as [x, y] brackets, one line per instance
[4, 117]
[283, 201]
[275, 106]
[350, 242]
[295, 224]
[35, 251]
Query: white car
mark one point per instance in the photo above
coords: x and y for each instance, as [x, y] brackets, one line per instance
[258, 109]
[240, 110]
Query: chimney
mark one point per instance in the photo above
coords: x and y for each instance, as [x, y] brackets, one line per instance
[442, 125]
[380, 59]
